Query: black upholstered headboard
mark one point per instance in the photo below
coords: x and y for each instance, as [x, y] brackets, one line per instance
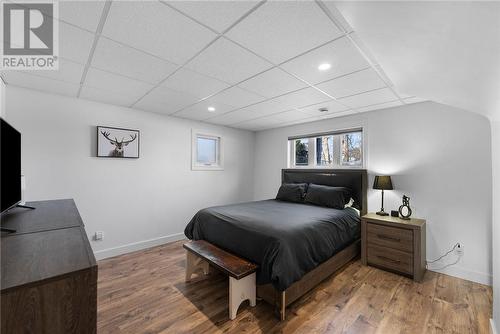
[356, 179]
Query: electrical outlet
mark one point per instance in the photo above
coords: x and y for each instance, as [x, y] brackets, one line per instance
[98, 236]
[459, 250]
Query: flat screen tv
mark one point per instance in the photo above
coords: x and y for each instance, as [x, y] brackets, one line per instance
[10, 166]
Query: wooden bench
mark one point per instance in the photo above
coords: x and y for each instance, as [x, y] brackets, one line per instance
[200, 254]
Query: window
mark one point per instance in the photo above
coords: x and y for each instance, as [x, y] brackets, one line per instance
[301, 152]
[207, 151]
[351, 149]
[324, 151]
[342, 149]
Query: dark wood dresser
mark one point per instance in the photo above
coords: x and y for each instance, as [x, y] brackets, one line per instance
[394, 244]
[48, 271]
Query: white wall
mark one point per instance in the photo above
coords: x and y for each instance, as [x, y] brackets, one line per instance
[495, 149]
[131, 200]
[438, 155]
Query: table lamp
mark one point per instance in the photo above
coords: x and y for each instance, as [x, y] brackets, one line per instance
[382, 183]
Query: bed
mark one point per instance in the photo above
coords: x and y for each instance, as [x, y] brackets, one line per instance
[296, 245]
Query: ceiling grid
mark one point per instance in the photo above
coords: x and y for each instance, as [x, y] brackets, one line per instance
[251, 61]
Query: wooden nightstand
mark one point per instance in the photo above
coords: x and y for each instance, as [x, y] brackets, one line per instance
[394, 244]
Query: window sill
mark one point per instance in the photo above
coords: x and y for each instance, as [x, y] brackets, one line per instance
[200, 167]
[326, 167]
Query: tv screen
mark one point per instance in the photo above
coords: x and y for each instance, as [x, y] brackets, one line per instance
[10, 169]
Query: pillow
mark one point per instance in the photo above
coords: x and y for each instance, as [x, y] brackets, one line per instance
[331, 197]
[292, 192]
[347, 194]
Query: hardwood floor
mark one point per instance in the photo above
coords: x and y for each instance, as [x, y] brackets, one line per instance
[145, 292]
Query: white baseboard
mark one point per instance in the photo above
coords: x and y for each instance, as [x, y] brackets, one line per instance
[460, 272]
[135, 246]
[493, 328]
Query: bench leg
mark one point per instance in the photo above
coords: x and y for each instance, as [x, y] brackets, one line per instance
[239, 291]
[194, 263]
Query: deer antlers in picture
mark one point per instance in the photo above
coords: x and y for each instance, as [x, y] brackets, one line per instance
[119, 145]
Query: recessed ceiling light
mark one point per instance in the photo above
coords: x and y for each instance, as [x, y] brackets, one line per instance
[211, 109]
[324, 66]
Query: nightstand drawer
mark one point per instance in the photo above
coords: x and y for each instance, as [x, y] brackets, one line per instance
[392, 237]
[390, 259]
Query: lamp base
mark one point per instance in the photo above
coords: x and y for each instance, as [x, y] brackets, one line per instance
[382, 213]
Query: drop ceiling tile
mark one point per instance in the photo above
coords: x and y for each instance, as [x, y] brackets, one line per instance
[115, 83]
[366, 99]
[272, 83]
[228, 62]
[249, 127]
[236, 97]
[194, 83]
[105, 96]
[258, 110]
[218, 15]
[259, 124]
[338, 114]
[237, 116]
[85, 14]
[341, 54]
[352, 84]
[156, 28]
[300, 98]
[267, 108]
[300, 121]
[47, 85]
[200, 111]
[68, 71]
[74, 43]
[292, 115]
[332, 106]
[279, 30]
[115, 57]
[165, 101]
[272, 120]
[233, 117]
[380, 106]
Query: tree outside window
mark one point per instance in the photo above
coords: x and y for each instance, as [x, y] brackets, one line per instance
[351, 148]
[301, 152]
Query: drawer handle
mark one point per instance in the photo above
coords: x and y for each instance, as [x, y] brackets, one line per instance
[381, 236]
[388, 259]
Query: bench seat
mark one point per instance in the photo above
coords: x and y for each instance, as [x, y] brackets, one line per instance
[200, 254]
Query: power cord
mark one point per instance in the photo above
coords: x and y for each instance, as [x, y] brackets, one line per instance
[444, 255]
[448, 265]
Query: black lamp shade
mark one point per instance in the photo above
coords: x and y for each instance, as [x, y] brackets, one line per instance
[382, 183]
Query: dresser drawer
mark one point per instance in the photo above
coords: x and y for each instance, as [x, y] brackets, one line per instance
[390, 259]
[392, 237]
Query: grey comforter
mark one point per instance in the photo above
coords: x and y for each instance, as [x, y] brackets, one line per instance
[285, 239]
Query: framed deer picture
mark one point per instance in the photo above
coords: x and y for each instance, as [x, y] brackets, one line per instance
[117, 142]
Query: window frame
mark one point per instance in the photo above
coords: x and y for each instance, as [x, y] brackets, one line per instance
[219, 165]
[337, 157]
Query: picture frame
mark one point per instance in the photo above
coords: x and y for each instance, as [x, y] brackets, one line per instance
[119, 143]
